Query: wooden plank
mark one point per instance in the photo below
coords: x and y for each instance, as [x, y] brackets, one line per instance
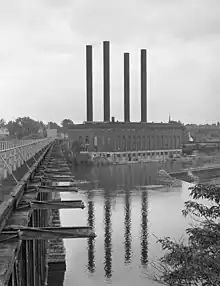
[56, 179]
[58, 176]
[34, 188]
[44, 233]
[53, 204]
[64, 183]
[48, 189]
[57, 171]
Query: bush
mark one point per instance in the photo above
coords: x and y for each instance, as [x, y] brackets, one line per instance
[196, 262]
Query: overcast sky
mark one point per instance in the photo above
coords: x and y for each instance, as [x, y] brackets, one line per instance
[42, 57]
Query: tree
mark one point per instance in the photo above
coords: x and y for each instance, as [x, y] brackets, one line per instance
[196, 262]
[13, 128]
[25, 126]
[66, 122]
[2, 123]
[53, 125]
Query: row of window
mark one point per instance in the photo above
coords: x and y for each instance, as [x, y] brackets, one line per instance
[147, 142]
[136, 142]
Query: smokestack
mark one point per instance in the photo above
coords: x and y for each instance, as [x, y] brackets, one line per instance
[106, 80]
[89, 83]
[126, 88]
[143, 86]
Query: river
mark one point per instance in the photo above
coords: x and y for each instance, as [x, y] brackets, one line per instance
[127, 222]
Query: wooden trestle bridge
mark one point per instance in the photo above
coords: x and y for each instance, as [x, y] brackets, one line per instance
[31, 247]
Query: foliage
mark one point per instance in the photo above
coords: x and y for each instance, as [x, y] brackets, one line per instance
[53, 125]
[26, 127]
[2, 123]
[196, 262]
[66, 122]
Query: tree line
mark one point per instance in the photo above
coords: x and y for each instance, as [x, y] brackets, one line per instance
[26, 127]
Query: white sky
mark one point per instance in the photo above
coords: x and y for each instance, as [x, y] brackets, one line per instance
[42, 57]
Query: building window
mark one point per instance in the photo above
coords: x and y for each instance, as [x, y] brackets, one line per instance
[171, 145]
[165, 142]
[134, 143]
[123, 143]
[162, 143]
[149, 143]
[129, 143]
[119, 143]
[103, 140]
[153, 142]
[178, 142]
[158, 142]
[175, 142]
[139, 142]
[143, 143]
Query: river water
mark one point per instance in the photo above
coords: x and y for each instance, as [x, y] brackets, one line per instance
[127, 222]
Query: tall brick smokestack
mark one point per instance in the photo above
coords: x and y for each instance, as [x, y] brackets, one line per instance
[89, 87]
[106, 80]
[143, 85]
[126, 88]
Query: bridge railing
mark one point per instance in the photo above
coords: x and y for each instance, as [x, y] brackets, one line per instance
[14, 155]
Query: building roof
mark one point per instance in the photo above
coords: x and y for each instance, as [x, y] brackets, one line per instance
[119, 125]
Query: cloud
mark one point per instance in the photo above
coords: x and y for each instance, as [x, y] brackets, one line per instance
[42, 57]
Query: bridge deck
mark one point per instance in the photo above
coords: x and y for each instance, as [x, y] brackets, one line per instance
[25, 230]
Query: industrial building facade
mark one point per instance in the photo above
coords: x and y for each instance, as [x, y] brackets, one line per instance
[111, 136]
[120, 137]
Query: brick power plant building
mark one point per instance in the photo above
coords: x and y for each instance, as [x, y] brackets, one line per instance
[112, 136]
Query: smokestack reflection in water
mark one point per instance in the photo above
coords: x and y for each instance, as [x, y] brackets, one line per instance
[91, 241]
[127, 226]
[108, 238]
[144, 234]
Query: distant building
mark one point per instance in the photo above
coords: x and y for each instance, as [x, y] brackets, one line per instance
[4, 133]
[133, 136]
[113, 136]
[62, 133]
[51, 133]
[202, 133]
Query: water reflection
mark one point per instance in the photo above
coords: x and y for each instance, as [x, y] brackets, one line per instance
[114, 203]
[144, 232]
[91, 241]
[107, 237]
[127, 227]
